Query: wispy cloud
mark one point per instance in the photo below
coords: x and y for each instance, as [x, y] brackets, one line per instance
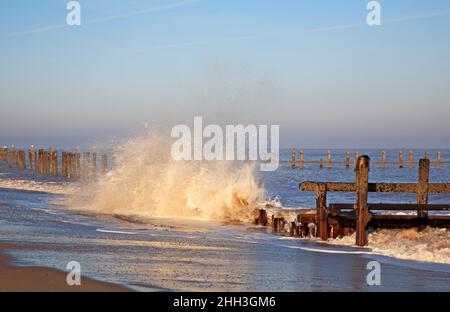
[166, 7]
[300, 32]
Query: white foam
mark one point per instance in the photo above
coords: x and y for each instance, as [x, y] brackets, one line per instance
[429, 245]
[40, 186]
[115, 232]
[49, 211]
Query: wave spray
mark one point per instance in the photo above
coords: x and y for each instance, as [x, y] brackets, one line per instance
[146, 181]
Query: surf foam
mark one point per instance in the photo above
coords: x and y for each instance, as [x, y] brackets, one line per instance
[428, 245]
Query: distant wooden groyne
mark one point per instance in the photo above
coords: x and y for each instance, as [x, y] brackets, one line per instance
[71, 165]
[341, 219]
[349, 162]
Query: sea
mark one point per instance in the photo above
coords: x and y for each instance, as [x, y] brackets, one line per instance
[153, 225]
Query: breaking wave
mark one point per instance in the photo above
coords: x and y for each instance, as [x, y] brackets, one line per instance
[146, 181]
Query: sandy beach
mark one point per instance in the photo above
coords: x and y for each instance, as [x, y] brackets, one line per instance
[40, 279]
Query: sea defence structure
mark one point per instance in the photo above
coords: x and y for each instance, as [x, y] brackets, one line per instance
[348, 161]
[69, 164]
[341, 219]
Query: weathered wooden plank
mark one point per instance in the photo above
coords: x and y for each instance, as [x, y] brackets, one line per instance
[362, 194]
[321, 205]
[376, 187]
[293, 162]
[262, 217]
[394, 207]
[347, 159]
[21, 160]
[32, 155]
[301, 158]
[328, 159]
[422, 187]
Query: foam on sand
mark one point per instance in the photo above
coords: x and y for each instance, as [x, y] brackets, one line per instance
[428, 245]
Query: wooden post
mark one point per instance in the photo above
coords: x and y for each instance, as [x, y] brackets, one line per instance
[47, 162]
[44, 162]
[74, 166]
[77, 165]
[14, 157]
[301, 159]
[3, 153]
[21, 160]
[400, 159]
[292, 228]
[347, 160]
[31, 156]
[8, 156]
[427, 155]
[55, 163]
[321, 163]
[362, 191]
[422, 187]
[262, 217]
[35, 160]
[63, 164]
[293, 158]
[328, 159]
[104, 163]
[50, 160]
[94, 164]
[69, 172]
[355, 156]
[438, 160]
[298, 225]
[383, 158]
[321, 211]
[281, 223]
[411, 159]
[71, 165]
[40, 166]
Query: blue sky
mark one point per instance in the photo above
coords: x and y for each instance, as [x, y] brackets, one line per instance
[313, 67]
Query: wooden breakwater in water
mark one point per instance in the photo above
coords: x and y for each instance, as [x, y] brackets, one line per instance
[341, 219]
[349, 160]
[69, 164]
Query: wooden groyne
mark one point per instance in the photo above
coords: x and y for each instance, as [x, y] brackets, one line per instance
[328, 161]
[341, 219]
[49, 162]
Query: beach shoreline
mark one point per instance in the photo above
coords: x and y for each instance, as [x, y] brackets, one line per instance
[42, 279]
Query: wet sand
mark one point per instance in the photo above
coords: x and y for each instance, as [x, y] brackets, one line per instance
[40, 279]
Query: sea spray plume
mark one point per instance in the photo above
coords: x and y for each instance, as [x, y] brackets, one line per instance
[146, 181]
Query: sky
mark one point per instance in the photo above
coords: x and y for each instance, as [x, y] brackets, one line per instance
[313, 67]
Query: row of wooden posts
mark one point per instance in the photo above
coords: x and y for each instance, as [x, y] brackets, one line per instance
[341, 219]
[348, 162]
[72, 165]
